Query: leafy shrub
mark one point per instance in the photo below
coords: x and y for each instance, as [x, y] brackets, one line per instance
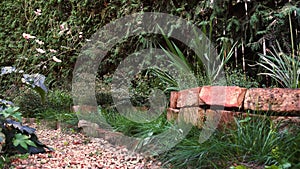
[236, 77]
[56, 101]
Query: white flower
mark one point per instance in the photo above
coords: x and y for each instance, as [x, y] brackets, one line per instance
[56, 59]
[39, 42]
[38, 12]
[52, 50]
[23, 80]
[28, 36]
[298, 71]
[80, 34]
[40, 50]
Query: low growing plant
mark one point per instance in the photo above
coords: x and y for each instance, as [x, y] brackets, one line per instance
[255, 141]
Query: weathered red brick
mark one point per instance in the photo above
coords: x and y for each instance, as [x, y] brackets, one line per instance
[228, 96]
[173, 99]
[276, 99]
[193, 115]
[189, 97]
[172, 114]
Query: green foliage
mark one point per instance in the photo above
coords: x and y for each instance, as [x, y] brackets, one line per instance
[282, 67]
[131, 128]
[235, 77]
[256, 141]
[11, 112]
[19, 139]
[239, 167]
[66, 117]
[64, 26]
[56, 101]
[4, 160]
[283, 166]
[23, 140]
[214, 153]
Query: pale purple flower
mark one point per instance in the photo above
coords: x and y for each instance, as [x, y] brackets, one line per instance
[62, 27]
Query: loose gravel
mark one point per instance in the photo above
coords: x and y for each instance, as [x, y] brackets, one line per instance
[76, 150]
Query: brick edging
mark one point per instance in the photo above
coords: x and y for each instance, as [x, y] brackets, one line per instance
[257, 99]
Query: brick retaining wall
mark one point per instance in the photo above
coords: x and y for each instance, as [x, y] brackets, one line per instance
[233, 101]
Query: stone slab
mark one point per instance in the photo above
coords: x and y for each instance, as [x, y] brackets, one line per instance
[193, 115]
[189, 98]
[276, 99]
[227, 96]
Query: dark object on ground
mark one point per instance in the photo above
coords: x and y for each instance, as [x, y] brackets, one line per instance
[10, 128]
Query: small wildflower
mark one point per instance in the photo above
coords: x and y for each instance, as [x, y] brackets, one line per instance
[38, 12]
[80, 34]
[56, 59]
[40, 50]
[62, 27]
[28, 36]
[52, 50]
[69, 32]
[39, 42]
[88, 40]
[23, 80]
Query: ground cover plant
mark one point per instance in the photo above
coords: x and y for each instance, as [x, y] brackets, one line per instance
[254, 143]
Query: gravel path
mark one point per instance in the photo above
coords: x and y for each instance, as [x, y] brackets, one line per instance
[75, 150]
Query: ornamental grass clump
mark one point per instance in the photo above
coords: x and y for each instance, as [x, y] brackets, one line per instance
[283, 67]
